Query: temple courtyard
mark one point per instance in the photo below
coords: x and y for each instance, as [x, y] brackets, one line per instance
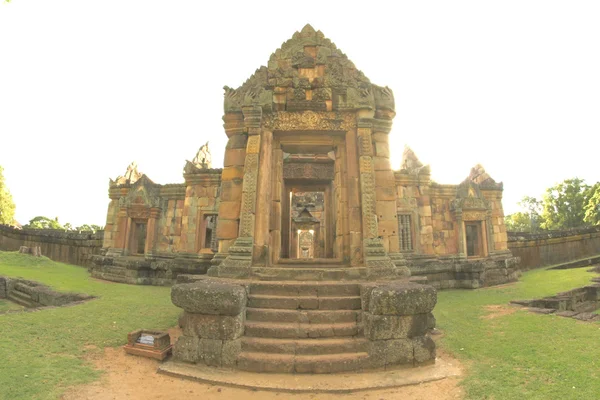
[501, 351]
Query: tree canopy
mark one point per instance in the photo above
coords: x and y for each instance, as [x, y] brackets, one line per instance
[41, 222]
[569, 204]
[7, 206]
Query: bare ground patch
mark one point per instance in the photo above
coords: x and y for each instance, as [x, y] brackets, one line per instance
[498, 310]
[131, 377]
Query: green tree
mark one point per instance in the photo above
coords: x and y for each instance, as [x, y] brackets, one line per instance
[86, 227]
[527, 220]
[592, 208]
[564, 203]
[518, 222]
[7, 206]
[41, 222]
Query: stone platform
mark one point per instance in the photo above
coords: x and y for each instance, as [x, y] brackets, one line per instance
[304, 327]
[308, 383]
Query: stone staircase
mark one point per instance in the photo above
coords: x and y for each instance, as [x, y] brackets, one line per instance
[21, 298]
[297, 327]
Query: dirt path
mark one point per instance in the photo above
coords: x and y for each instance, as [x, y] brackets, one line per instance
[133, 378]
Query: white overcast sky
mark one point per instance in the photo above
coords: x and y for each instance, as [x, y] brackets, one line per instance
[86, 87]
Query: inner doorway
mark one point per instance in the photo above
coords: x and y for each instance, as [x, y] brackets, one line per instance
[307, 221]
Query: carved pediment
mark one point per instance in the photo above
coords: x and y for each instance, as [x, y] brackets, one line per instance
[469, 197]
[308, 72]
[143, 194]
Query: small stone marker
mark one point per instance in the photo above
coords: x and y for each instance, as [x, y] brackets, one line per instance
[146, 343]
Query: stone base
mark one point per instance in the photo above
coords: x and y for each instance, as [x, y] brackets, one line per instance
[309, 383]
[149, 270]
[462, 273]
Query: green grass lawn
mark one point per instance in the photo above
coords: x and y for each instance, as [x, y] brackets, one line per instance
[519, 355]
[522, 355]
[42, 352]
[9, 306]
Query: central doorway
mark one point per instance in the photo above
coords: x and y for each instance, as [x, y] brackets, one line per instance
[307, 221]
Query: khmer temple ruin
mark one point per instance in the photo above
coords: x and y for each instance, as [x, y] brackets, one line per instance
[309, 253]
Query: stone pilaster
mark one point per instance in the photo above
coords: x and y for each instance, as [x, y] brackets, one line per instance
[231, 184]
[239, 260]
[377, 260]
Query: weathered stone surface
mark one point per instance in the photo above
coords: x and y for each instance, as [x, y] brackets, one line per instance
[209, 352]
[230, 351]
[186, 349]
[402, 299]
[382, 327]
[210, 297]
[424, 349]
[391, 352]
[210, 326]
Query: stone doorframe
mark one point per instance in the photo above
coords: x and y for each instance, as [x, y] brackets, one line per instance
[326, 172]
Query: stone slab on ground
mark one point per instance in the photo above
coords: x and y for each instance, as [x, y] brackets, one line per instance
[308, 383]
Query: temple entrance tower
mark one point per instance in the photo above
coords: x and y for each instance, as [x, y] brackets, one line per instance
[309, 122]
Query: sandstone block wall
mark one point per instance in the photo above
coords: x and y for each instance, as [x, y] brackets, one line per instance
[212, 322]
[554, 247]
[68, 247]
[397, 318]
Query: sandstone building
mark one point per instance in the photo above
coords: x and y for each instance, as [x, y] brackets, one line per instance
[306, 252]
[307, 178]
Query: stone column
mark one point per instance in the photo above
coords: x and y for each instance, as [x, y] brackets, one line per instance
[377, 260]
[489, 230]
[122, 219]
[461, 233]
[238, 262]
[152, 231]
[385, 190]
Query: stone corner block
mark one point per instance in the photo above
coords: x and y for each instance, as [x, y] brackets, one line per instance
[424, 349]
[210, 297]
[186, 349]
[402, 298]
[210, 326]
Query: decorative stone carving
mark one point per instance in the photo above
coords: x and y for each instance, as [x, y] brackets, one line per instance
[411, 164]
[384, 98]
[143, 193]
[482, 178]
[131, 176]
[308, 171]
[309, 121]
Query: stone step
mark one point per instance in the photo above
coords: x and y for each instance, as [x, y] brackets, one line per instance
[303, 274]
[289, 330]
[304, 302]
[303, 364]
[304, 346]
[21, 298]
[302, 316]
[318, 289]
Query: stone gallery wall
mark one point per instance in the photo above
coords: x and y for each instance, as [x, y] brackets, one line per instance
[68, 247]
[554, 247]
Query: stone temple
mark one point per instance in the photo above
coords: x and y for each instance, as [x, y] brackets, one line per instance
[306, 252]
